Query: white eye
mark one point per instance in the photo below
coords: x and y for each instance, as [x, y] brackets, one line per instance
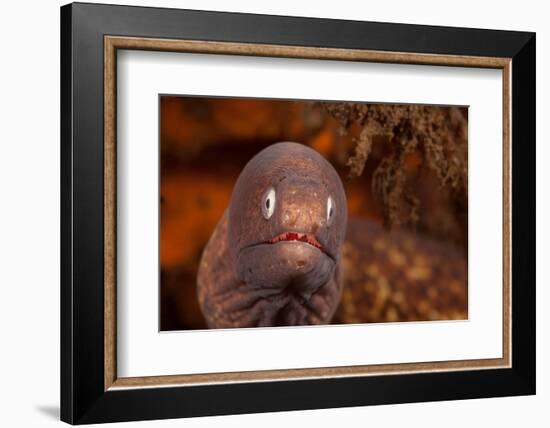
[330, 210]
[268, 203]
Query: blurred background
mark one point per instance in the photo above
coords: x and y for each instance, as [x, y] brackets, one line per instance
[404, 168]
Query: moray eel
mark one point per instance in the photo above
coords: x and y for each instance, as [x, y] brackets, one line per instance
[273, 259]
[280, 254]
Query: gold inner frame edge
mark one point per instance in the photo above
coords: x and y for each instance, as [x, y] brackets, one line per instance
[113, 43]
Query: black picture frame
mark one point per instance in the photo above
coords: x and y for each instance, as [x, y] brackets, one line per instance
[83, 398]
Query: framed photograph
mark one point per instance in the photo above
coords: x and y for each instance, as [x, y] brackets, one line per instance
[266, 213]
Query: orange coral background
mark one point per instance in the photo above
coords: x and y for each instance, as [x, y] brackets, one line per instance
[205, 143]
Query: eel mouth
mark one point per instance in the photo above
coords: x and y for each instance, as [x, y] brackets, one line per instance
[296, 236]
[306, 238]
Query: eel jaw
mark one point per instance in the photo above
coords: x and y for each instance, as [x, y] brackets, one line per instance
[307, 238]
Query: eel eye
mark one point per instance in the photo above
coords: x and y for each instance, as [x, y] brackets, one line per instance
[268, 203]
[330, 210]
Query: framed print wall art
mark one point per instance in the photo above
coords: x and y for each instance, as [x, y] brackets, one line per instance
[265, 213]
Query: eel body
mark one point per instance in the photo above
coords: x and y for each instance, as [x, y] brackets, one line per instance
[399, 275]
[284, 254]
